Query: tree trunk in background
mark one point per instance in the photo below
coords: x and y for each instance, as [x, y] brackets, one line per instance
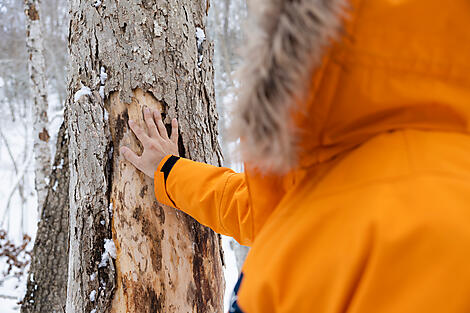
[37, 74]
[223, 13]
[124, 55]
[47, 280]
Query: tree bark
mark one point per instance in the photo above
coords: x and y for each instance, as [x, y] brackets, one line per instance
[37, 75]
[124, 55]
[47, 280]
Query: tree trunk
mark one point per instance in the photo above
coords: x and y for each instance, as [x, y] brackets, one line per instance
[37, 74]
[47, 280]
[124, 55]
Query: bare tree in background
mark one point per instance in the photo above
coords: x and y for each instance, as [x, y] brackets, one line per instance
[46, 290]
[38, 84]
[226, 19]
[49, 256]
[16, 118]
[124, 55]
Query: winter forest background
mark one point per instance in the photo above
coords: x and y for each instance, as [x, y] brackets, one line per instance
[18, 205]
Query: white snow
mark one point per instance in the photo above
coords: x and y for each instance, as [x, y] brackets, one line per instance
[110, 209]
[230, 271]
[56, 183]
[200, 36]
[103, 78]
[109, 251]
[93, 311]
[101, 92]
[157, 29]
[97, 3]
[103, 75]
[84, 91]
[93, 295]
[110, 247]
[93, 276]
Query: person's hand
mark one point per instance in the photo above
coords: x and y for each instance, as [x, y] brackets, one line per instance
[156, 143]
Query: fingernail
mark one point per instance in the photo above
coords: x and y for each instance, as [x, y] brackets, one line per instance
[146, 110]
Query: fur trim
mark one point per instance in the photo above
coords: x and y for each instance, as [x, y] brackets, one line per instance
[286, 40]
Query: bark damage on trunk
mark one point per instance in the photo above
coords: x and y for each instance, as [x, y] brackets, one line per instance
[125, 55]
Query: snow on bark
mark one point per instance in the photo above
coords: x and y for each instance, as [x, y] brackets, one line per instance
[37, 74]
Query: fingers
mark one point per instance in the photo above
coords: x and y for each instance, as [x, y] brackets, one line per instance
[130, 156]
[139, 132]
[161, 127]
[152, 128]
[174, 131]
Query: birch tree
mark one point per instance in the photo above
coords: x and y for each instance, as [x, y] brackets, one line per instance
[127, 252]
[42, 152]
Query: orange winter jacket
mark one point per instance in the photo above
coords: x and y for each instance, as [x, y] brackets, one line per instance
[375, 217]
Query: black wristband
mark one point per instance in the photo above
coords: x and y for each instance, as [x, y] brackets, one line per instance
[166, 168]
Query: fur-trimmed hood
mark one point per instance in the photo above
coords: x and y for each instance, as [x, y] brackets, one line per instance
[285, 43]
[391, 65]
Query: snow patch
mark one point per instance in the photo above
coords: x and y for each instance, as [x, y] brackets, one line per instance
[97, 3]
[106, 114]
[61, 164]
[92, 277]
[56, 183]
[110, 209]
[200, 36]
[110, 247]
[101, 92]
[109, 251]
[84, 91]
[103, 75]
[103, 78]
[93, 295]
[157, 29]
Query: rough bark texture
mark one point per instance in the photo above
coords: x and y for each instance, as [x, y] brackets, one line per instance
[47, 280]
[166, 262]
[37, 74]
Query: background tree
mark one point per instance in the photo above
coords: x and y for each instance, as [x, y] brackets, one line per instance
[47, 280]
[19, 206]
[226, 19]
[124, 55]
[38, 84]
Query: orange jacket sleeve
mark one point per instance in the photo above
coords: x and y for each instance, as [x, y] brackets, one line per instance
[216, 197]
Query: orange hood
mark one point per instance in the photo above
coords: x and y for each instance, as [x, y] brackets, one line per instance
[399, 64]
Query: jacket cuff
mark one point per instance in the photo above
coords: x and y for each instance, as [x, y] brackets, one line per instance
[160, 177]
